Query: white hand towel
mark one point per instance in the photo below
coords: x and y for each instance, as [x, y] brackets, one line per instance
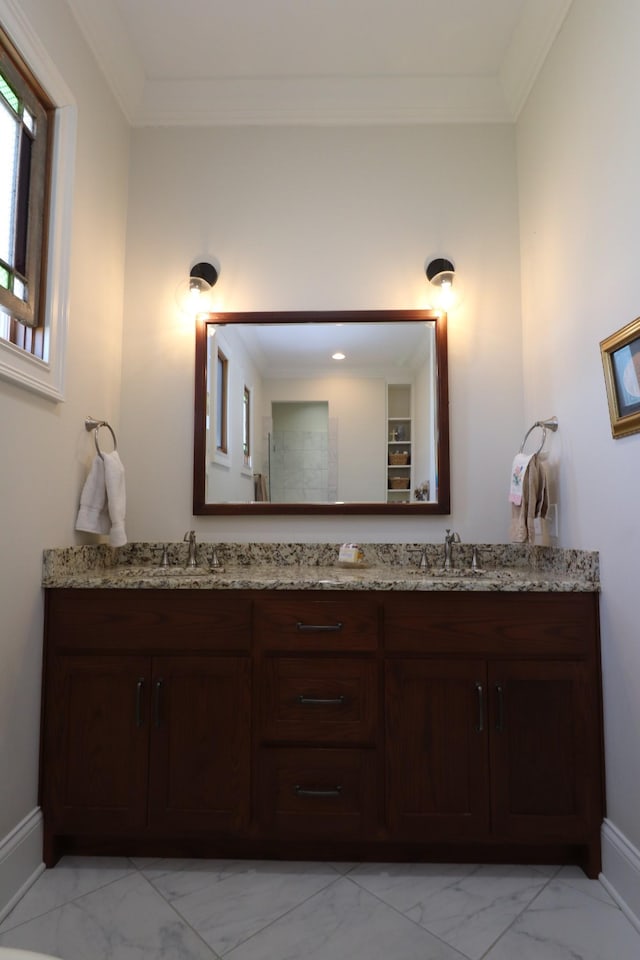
[116, 497]
[92, 515]
[518, 470]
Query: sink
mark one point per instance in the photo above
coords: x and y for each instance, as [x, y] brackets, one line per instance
[457, 573]
[465, 573]
[170, 571]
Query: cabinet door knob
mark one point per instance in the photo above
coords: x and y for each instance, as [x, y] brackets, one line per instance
[157, 713]
[500, 713]
[319, 627]
[139, 696]
[480, 697]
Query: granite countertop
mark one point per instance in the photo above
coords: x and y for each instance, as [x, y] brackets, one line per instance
[509, 568]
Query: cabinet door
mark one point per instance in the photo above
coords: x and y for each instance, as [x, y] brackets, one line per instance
[200, 744]
[544, 750]
[96, 734]
[436, 749]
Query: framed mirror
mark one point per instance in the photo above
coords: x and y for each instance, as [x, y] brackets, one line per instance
[341, 412]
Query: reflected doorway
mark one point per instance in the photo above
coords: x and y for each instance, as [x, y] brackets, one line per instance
[299, 467]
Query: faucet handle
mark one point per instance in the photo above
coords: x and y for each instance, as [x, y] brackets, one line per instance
[422, 562]
[215, 560]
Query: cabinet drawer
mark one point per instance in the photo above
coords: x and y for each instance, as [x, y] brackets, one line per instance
[147, 620]
[306, 623]
[318, 700]
[318, 792]
[531, 624]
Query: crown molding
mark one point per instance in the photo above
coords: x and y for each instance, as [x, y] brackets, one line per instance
[536, 32]
[323, 101]
[109, 42]
[319, 100]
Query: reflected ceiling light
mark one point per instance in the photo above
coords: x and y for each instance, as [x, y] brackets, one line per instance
[338, 356]
[441, 274]
[194, 294]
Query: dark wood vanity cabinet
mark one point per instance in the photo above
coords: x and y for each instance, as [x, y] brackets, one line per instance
[493, 721]
[422, 725]
[146, 729]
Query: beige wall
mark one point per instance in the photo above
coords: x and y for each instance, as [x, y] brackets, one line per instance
[578, 148]
[317, 219]
[44, 445]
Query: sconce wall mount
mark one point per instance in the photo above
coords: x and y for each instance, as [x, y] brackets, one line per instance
[441, 274]
[193, 294]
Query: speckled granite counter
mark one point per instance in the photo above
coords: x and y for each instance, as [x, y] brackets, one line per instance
[510, 567]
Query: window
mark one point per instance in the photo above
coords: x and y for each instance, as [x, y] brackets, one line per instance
[246, 426]
[25, 114]
[222, 387]
[37, 147]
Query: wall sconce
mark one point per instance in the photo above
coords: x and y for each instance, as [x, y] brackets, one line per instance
[441, 274]
[193, 295]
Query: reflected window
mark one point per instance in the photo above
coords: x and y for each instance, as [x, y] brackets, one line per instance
[246, 426]
[222, 390]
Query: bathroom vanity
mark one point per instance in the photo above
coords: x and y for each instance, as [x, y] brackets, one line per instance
[302, 712]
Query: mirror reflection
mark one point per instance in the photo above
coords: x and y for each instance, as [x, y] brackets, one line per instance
[330, 413]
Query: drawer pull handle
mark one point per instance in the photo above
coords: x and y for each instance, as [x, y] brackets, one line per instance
[310, 792]
[139, 692]
[322, 701]
[480, 696]
[157, 710]
[500, 715]
[318, 627]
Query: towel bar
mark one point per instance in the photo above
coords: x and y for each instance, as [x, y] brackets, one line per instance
[91, 423]
[550, 424]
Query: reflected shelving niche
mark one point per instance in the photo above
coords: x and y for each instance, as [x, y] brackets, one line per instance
[399, 431]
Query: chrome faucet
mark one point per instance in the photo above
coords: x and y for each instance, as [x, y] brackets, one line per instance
[190, 537]
[449, 540]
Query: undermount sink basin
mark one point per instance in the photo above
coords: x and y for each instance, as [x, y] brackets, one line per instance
[170, 571]
[457, 573]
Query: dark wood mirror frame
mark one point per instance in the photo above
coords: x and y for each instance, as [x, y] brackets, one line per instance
[440, 506]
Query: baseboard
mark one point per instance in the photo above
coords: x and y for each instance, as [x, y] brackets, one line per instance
[621, 871]
[20, 860]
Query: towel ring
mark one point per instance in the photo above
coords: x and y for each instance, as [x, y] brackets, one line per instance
[92, 424]
[550, 424]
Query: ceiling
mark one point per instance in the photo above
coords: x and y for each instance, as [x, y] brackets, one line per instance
[208, 62]
[286, 350]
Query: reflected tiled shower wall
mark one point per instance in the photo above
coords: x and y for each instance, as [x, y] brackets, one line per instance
[302, 465]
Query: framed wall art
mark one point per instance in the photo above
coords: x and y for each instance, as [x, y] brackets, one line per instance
[621, 361]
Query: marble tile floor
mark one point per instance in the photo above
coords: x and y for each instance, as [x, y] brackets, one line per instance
[142, 909]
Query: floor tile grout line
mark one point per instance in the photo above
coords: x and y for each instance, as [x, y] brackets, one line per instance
[256, 933]
[38, 916]
[390, 906]
[214, 953]
[547, 882]
[448, 886]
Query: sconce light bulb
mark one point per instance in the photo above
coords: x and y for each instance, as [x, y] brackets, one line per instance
[447, 289]
[193, 295]
[447, 295]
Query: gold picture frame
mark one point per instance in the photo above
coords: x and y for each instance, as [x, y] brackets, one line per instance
[621, 361]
